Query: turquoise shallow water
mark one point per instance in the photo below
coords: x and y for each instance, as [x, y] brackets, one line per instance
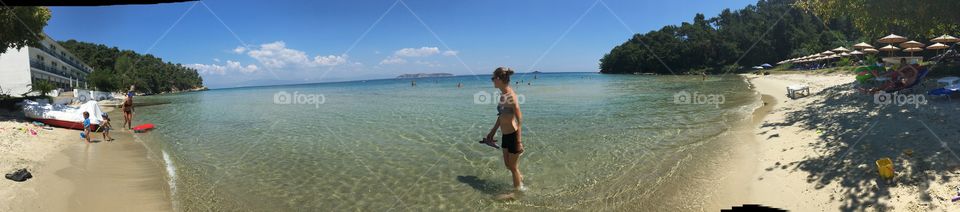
[593, 142]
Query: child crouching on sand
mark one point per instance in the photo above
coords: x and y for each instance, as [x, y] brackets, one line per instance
[105, 127]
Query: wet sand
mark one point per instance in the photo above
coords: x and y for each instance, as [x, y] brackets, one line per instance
[114, 175]
[736, 167]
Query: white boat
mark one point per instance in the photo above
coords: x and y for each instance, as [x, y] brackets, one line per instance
[59, 115]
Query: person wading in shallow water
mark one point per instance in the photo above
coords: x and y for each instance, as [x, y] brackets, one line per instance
[509, 121]
[127, 108]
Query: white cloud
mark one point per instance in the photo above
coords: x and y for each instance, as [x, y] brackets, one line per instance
[399, 55]
[239, 50]
[393, 60]
[277, 55]
[207, 69]
[330, 60]
[223, 69]
[234, 65]
[414, 52]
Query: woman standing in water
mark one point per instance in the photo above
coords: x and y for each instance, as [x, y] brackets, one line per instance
[127, 108]
[509, 121]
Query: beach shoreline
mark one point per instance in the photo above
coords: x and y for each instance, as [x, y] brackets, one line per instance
[71, 175]
[783, 192]
[817, 152]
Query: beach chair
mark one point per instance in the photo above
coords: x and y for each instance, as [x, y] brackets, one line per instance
[945, 91]
[912, 86]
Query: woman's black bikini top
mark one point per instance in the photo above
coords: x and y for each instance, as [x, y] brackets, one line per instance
[503, 108]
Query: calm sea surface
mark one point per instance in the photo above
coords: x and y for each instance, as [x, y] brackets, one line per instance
[592, 142]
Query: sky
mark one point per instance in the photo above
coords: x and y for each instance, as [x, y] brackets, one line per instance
[246, 43]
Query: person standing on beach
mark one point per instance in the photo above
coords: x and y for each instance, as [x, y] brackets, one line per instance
[127, 108]
[86, 126]
[509, 121]
[105, 127]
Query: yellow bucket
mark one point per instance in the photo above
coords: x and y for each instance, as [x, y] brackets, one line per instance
[885, 168]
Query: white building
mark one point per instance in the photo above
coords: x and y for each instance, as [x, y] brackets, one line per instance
[49, 61]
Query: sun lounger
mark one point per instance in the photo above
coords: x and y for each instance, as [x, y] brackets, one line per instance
[922, 76]
[949, 81]
[945, 91]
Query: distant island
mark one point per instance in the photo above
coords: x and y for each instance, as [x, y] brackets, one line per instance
[424, 75]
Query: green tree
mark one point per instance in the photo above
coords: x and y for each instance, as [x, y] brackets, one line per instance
[769, 31]
[116, 69]
[877, 18]
[19, 25]
[42, 87]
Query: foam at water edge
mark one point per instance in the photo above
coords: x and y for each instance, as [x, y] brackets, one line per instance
[172, 176]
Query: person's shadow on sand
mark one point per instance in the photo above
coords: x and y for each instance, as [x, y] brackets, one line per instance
[482, 185]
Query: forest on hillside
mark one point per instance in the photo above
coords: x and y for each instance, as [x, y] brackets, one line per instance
[768, 31]
[116, 69]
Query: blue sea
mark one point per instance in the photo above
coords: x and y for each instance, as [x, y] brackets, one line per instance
[593, 142]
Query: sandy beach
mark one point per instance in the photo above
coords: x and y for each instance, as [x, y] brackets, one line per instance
[818, 153]
[71, 175]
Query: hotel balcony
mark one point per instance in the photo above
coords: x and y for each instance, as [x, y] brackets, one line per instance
[63, 58]
[55, 72]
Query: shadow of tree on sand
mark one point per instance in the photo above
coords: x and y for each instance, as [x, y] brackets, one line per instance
[856, 131]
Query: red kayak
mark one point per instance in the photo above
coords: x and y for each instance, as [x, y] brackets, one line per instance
[143, 127]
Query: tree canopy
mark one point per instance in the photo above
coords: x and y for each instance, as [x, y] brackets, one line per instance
[877, 18]
[771, 30]
[19, 25]
[116, 69]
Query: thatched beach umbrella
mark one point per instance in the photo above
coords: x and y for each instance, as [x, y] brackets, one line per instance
[844, 54]
[892, 39]
[862, 45]
[871, 50]
[945, 39]
[828, 52]
[856, 53]
[937, 46]
[912, 50]
[911, 44]
[840, 49]
[889, 48]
